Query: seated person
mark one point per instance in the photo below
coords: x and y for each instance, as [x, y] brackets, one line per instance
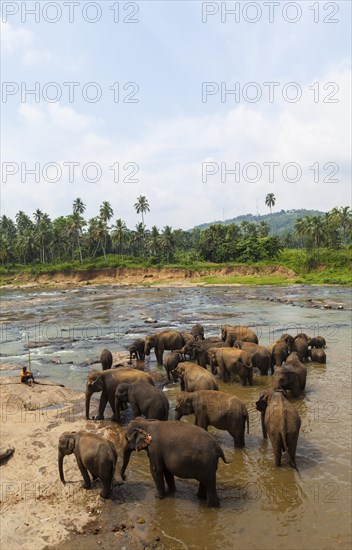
[26, 376]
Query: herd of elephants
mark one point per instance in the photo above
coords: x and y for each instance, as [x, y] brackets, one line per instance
[180, 448]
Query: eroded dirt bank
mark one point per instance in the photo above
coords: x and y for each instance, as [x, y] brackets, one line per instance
[136, 276]
[37, 510]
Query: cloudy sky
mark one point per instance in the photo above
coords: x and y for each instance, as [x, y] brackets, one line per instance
[203, 107]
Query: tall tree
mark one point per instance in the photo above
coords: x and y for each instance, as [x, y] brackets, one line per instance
[270, 200]
[142, 206]
[119, 234]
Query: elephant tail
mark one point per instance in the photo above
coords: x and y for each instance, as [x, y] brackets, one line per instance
[247, 416]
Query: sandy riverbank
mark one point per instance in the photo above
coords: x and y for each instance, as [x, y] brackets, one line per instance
[37, 510]
[145, 276]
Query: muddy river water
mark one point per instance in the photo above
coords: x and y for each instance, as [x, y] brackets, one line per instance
[262, 507]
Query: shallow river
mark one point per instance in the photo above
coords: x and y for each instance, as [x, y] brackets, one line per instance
[262, 506]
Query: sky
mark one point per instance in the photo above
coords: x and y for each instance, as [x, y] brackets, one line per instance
[202, 107]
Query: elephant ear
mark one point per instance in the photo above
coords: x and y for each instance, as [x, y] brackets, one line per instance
[142, 439]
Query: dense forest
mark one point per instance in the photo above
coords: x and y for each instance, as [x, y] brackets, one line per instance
[42, 240]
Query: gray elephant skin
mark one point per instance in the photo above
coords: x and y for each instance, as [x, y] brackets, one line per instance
[161, 341]
[281, 422]
[144, 399]
[231, 334]
[106, 382]
[193, 377]
[215, 408]
[136, 350]
[231, 362]
[260, 355]
[106, 359]
[175, 449]
[94, 454]
[172, 359]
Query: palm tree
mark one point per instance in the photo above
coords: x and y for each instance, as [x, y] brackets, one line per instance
[138, 238]
[78, 206]
[300, 230]
[119, 234]
[77, 222]
[106, 212]
[154, 241]
[317, 231]
[167, 241]
[270, 200]
[345, 219]
[142, 206]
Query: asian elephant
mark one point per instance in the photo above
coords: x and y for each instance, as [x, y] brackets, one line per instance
[286, 378]
[106, 359]
[215, 408]
[300, 346]
[260, 355]
[164, 340]
[232, 361]
[230, 334]
[198, 350]
[193, 377]
[94, 454]
[106, 381]
[318, 355]
[282, 422]
[293, 361]
[317, 342]
[136, 349]
[145, 400]
[278, 353]
[288, 339]
[197, 331]
[171, 361]
[175, 449]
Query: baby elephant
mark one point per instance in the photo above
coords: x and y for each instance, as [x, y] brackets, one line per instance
[106, 359]
[282, 422]
[171, 361]
[94, 454]
[136, 349]
[145, 400]
[215, 408]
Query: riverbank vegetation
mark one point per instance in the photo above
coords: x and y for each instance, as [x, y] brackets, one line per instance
[317, 251]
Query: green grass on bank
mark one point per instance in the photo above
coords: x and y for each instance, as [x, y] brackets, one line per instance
[332, 267]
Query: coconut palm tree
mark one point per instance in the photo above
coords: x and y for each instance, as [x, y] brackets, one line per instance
[142, 206]
[119, 234]
[270, 200]
[167, 241]
[154, 241]
[77, 222]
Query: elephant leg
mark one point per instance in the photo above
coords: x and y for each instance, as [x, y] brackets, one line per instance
[102, 404]
[212, 496]
[277, 450]
[86, 479]
[202, 491]
[170, 480]
[292, 440]
[158, 476]
[159, 352]
[201, 421]
[135, 410]
[237, 433]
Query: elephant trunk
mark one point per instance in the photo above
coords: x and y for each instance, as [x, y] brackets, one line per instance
[61, 470]
[88, 396]
[126, 458]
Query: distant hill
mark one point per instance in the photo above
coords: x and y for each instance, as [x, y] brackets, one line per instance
[279, 222]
